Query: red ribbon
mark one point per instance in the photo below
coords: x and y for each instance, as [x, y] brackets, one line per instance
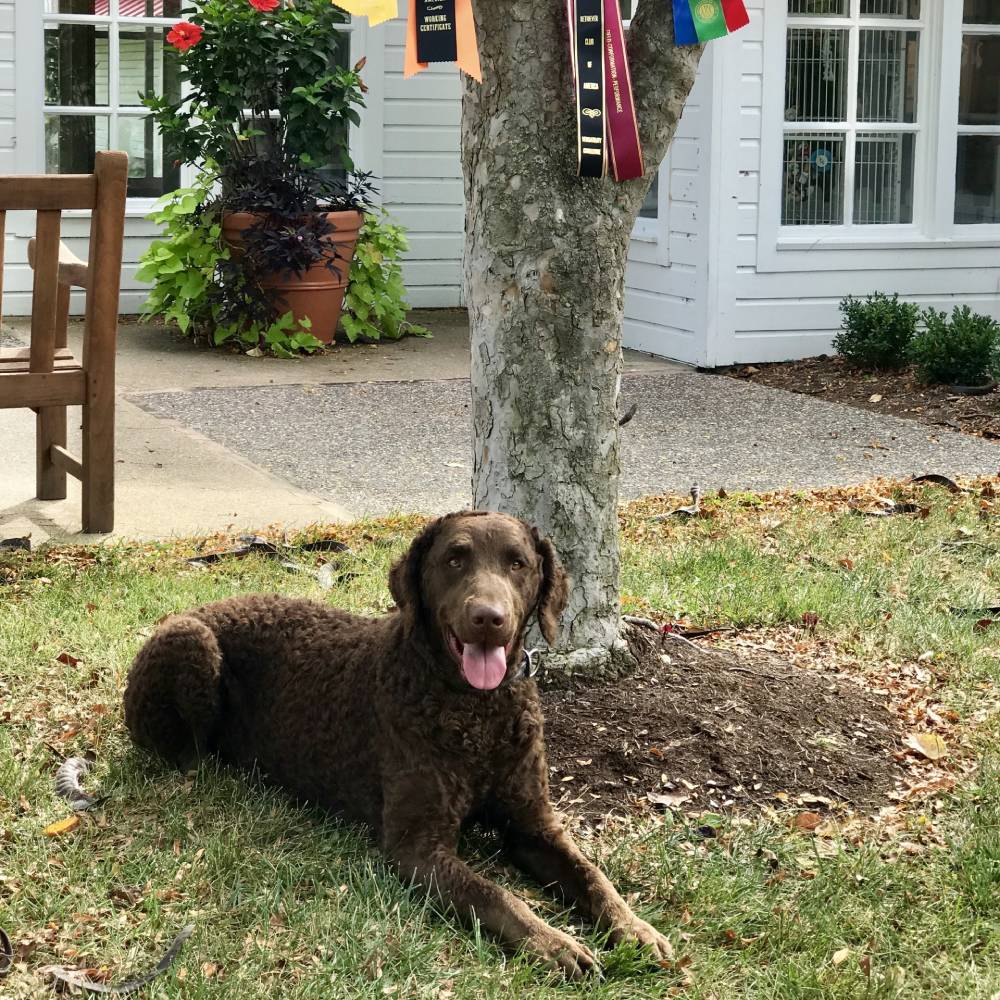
[621, 127]
[735, 13]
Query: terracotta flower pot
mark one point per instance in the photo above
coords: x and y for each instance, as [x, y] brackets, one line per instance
[317, 293]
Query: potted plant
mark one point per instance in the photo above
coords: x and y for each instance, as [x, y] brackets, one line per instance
[270, 107]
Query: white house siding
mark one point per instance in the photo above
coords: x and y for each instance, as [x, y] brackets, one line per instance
[421, 171]
[22, 151]
[7, 157]
[415, 156]
[413, 147]
[6, 85]
[665, 282]
[767, 314]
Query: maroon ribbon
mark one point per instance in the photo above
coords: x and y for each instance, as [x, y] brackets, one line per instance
[621, 127]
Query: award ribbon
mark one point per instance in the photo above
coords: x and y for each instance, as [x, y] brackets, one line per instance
[437, 36]
[605, 110]
[441, 31]
[623, 128]
[697, 21]
[586, 29]
[376, 11]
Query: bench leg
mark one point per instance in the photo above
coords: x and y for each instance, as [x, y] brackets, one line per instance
[50, 429]
[99, 464]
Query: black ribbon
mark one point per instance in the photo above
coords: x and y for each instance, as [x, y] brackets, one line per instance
[437, 36]
[588, 38]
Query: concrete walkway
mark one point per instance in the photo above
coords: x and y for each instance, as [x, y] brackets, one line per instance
[210, 441]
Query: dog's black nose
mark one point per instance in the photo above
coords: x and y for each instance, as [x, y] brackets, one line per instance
[486, 615]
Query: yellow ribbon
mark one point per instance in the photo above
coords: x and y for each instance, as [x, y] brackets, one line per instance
[376, 11]
[465, 29]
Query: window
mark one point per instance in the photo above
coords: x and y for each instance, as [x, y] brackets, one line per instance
[650, 208]
[100, 55]
[977, 173]
[852, 119]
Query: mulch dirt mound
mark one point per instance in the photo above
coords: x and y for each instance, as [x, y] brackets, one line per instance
[711, 729]
[900, 394]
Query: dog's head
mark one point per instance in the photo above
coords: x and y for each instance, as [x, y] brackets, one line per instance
[471, 581]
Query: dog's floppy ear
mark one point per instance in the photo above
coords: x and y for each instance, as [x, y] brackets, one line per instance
[554, 591]
[404, 577]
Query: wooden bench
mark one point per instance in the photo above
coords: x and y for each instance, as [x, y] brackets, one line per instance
[45, 376]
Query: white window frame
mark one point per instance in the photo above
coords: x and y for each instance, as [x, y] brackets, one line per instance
[29, 25]
[650, 239]
[794, 248]
[952, 35]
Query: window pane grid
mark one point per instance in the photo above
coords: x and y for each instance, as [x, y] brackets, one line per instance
[103, 60]
[816, 74]
[887, 71]
[977, 166]
[883, 188]
[851, 116]
[814, 180]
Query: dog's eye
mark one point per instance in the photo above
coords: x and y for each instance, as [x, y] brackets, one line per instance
[516, 564]
[455, 563]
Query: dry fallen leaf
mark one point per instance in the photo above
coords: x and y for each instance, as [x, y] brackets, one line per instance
[670, 800]
[67, 825]
[808, 820]
[841, 956]
[67, 659]
[928, 745]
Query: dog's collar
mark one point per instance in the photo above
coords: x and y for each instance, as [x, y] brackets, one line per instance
[529, 666]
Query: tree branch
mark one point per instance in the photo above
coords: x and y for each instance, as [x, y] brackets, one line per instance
[662, 76]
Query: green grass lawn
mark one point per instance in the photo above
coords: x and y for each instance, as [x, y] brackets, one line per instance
[287, 903]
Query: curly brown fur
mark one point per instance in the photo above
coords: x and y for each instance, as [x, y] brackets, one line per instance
[413, 724]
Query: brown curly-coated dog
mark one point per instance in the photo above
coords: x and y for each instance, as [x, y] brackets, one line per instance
[414, 723]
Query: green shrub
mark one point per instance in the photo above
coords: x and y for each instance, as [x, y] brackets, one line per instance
[375, 303]
[877, 331]
[965, 351]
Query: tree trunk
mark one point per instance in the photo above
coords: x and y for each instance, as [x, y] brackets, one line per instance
[544, 279]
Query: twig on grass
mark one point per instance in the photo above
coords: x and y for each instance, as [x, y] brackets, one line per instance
[80, 980]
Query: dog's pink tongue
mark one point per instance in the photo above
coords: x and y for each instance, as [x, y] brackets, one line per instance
[484, 667]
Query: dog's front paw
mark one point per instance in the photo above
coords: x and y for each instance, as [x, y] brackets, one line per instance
[562, 953]
[646, 935]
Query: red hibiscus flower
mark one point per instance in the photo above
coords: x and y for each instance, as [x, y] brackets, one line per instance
[183, 35]
[264, 5]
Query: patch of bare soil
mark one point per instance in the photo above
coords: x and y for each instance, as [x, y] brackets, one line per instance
[709, 729]
[900, 394]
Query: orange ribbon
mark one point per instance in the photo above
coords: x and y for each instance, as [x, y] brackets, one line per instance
[465, 30]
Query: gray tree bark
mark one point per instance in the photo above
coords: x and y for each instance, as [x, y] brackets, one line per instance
[545, 257]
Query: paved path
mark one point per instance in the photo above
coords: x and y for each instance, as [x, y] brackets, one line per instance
[381, 447]
[173, 480]
[209, 441]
